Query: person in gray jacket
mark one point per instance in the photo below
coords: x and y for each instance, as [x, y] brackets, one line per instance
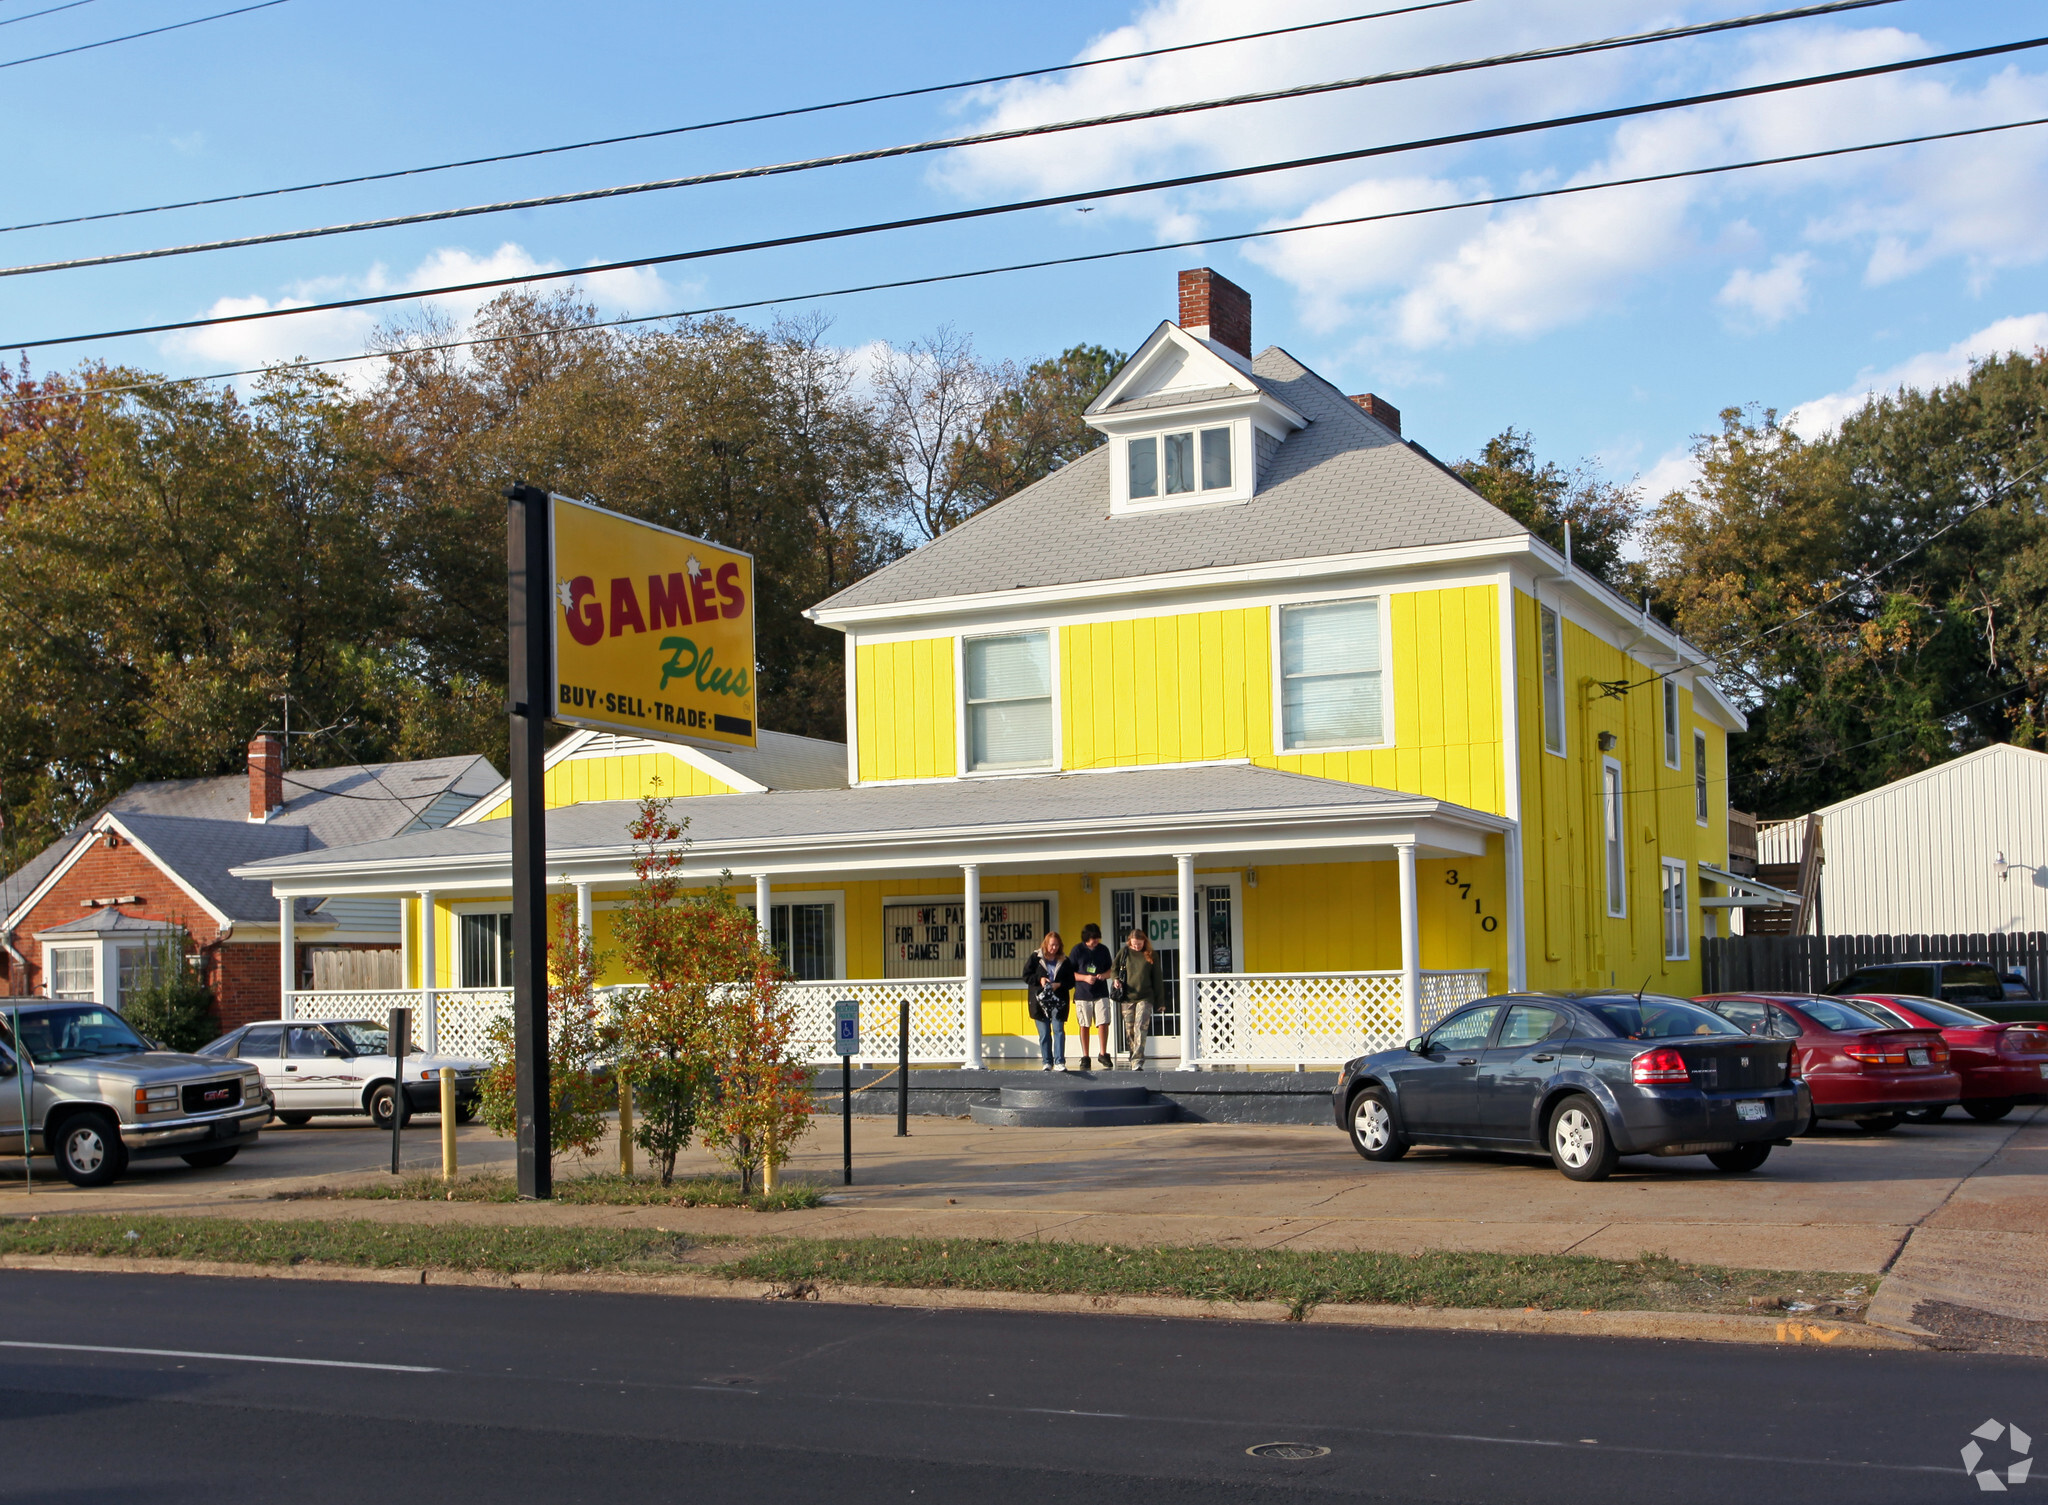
[1134, 979]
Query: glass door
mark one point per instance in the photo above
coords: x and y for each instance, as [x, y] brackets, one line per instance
[1158, 911]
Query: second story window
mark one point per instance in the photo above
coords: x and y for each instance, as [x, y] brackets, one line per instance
[1330, 676]
[1179, 465]
[1614, 821]
[1699, 775]
[1009, 701]
[1552, 651]
[1670, 723]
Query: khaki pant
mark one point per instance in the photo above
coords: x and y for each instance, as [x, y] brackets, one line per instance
[1137, 1024]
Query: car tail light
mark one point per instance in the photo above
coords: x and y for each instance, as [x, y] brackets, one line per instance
[1654, 1066]
[1894, 1052]
[2023, 1040]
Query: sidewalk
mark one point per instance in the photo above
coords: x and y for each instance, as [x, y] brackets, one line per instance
[1965, 1201]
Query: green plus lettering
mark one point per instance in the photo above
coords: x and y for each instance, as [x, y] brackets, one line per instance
[698, 666]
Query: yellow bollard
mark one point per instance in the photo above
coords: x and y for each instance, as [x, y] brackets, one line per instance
[625, 1125]
[447, 1123]
[768, 1171]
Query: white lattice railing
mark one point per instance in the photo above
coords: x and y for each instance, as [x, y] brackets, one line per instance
[1295, 1018]
[461, 1017]
[938, 1018]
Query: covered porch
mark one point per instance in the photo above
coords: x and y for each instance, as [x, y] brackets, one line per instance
[1298, 921]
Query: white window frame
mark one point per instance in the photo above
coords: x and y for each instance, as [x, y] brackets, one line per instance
[1279, 678]
[835, 897]
[94, 970]
[1243, 464]
[1677, 918]
[1702, 803]
[1614, 834]
[960, 739]
[1550, 634]
[1671, 726]
[455, 963]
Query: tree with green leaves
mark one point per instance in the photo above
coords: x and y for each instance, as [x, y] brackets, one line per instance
[1546, 499]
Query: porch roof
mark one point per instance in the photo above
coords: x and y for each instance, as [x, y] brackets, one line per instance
[1040, 822]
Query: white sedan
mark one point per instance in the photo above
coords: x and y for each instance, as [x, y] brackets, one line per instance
[345, 1066]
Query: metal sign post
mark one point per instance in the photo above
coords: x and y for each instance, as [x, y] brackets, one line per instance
[398, 1035]
[530, 606]
[903, 1070]
[846, 1044]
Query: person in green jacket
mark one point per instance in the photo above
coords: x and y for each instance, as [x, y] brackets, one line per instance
[1134, 977]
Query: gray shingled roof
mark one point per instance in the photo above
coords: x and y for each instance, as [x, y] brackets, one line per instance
[1346, 484]
[108, 922]
[201, 852]
[1092, 801]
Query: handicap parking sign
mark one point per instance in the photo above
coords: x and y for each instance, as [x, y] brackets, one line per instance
[846, 1027]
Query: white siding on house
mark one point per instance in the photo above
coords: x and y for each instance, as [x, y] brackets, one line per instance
[1918, 857]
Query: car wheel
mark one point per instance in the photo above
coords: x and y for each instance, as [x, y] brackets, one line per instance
[295, 1120]
[1579, 1143]
[206, 1160]
[1928, 1115]
[465, 1111]
[1883, 1123]
[1990, 1110]
[1373, 1133]
[381, 1107]
[89, 1150]
[1744, 1157]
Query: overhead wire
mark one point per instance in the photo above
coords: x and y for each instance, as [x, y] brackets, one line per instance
[947, 143]
[1018, 206]
[154, 31]
[709, 125]
[51, 11]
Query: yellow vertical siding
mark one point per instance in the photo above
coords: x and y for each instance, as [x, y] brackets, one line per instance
[903, 709]
[625, 776]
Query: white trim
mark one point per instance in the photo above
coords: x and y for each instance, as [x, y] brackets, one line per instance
[1511, 786]
[108, 821]
[852, 711]
[835, 897]
[1188, 420]
[1040, 773]
[1278, 678]
[1702, 775]
[1546, 689]
[1665, 867]
[1614, 812]
[571, 749]
[99, 966]
[1053, 699]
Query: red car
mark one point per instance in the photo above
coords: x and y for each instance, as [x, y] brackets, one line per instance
[2001, 1064]
[1855, 1064]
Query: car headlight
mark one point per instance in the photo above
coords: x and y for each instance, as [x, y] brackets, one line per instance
[156, 1100]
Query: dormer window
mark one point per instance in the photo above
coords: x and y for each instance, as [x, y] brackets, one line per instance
[1184, 474]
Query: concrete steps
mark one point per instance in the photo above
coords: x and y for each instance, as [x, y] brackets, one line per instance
[1062, 1101]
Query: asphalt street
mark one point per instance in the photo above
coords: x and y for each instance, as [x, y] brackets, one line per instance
[175, 1389]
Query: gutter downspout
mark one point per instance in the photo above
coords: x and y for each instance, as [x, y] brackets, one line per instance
[20, 967]
[1543, 753]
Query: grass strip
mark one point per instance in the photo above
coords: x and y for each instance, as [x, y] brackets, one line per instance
[609, 1190]
[1300, 1278]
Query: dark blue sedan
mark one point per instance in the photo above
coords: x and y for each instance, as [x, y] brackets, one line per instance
[1583, 1077]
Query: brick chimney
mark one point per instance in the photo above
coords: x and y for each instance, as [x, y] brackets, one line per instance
[1381, 409]
[1215, 308]
[266, 777]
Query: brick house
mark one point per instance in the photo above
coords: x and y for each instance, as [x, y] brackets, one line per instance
[85, 917]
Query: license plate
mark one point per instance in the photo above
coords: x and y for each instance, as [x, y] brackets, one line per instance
[1916, 1057]
[1750, 1111]
[2044, 1068]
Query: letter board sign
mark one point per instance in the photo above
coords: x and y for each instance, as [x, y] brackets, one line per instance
[930, 940]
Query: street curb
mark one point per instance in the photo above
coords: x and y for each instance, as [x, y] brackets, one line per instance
[1699, 1327]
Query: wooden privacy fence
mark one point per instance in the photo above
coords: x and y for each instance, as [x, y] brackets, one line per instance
[1808, 963]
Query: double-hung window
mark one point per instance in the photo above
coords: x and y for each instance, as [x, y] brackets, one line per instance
[1551, 646]
[1615, 826]
[1670, 723]
[1699, 775]
[1330, 676]
[1182, 464]
[1677, 946]
[1009, 701]
[801, 934]
[71, 972]
[484, 944]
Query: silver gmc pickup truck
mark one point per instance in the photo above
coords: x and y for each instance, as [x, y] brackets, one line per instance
[98, 1095]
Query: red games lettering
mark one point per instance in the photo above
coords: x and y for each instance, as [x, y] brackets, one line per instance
[668, 601]
[729, 587]
[625, 608]
[703, 597]
[586, 617]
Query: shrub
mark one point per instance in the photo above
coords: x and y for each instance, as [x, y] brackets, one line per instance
[173, 1006]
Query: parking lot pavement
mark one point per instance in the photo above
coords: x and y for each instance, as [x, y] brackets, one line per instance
[1835, 1200]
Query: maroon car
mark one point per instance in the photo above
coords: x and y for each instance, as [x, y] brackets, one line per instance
[2001, 1064]
[1856, 1065]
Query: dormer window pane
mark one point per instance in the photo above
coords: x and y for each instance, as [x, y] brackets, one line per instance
[1215, 459]
[1144, 467]
[1330, 675]
[1009, 701]
[1180, 463]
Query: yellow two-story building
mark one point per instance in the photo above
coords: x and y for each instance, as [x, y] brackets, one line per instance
[1255, 675]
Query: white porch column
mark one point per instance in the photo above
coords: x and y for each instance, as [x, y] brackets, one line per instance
[287, 955]
[430, 1012]
[764, 918]
[583, 921]
[1190, 922]
[1411, 944]
[971, 910]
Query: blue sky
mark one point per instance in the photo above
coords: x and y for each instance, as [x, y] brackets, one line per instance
[1614, 326]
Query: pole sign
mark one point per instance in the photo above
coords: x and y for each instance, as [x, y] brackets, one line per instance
[654, 629]
[846, 1027]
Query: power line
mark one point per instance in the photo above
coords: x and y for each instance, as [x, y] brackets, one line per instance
[68, 5]
[986, 211]
[949, 143]
[1027, 266]
[709, 125]
[154, 31]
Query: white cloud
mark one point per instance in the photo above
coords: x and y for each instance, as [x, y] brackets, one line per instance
[1768, 298]
[1934, 368]
[1675, 470]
